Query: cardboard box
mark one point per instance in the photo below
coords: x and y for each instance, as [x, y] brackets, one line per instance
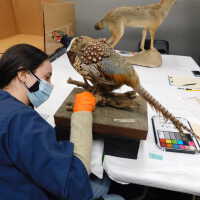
[32, 21]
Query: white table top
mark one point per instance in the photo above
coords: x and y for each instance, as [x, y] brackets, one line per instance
[175, 171]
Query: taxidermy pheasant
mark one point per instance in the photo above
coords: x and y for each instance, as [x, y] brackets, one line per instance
[107, 70]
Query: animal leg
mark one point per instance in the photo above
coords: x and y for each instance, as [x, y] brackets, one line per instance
[110, 39]
[117, 31]
[144, 34]
[152, 34]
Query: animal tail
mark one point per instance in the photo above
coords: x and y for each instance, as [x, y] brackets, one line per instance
[161, 109]
[99, 25]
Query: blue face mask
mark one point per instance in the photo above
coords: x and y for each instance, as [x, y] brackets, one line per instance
[39, 92]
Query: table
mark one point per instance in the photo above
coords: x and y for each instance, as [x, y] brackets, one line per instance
[178, 172]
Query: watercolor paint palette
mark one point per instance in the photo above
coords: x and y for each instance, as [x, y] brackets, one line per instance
[168, 138]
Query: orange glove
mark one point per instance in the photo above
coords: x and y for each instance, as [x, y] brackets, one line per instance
[84, 101]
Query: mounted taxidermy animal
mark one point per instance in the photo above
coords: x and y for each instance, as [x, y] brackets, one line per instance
[148, 17]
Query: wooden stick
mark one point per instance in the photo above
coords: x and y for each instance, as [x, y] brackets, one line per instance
[77, 83]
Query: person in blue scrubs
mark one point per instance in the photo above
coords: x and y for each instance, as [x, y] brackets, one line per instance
[33, 165]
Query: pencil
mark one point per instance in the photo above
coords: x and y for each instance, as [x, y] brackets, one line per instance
[189, 84]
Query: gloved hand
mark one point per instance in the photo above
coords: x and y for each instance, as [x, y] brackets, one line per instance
[84, 101]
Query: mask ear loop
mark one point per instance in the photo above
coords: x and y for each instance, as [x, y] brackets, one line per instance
[35, 86]
[35, 76]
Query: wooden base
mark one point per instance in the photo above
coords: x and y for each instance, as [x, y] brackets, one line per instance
[108, 121]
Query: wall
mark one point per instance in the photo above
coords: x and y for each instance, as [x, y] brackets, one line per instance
[181, 28]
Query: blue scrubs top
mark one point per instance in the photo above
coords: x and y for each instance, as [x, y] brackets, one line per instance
[33, 165]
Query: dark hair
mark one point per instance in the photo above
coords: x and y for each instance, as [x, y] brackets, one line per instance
[19, 57]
